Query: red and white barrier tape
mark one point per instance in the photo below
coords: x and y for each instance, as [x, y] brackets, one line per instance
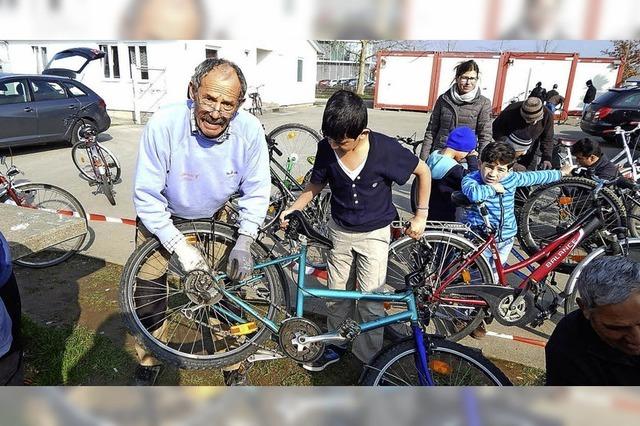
[527, 340]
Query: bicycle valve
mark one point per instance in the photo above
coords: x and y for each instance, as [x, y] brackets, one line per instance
[293, 158]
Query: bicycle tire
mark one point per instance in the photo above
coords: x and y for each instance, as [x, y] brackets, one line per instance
[107, 188]
[451, 321]
[216, 240]
[570, 303]
[450, 364]
[547, 202]
[36, 196]
[75, 131]
[633, 218]
[297, 142]
[81, 160]
[259, 103]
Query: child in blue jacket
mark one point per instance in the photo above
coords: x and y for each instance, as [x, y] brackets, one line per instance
[10, 348]
[495, 185]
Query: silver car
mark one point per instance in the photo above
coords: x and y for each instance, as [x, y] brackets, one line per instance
[46, 108]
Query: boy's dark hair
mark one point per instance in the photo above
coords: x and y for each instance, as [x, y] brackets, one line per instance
[344, 116]
[586, 147]
[500, 153]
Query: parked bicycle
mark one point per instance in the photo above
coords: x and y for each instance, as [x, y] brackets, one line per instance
[41, 196]
[208, 321]
[94, 161]
[256, 101]
[412, 143]
[292, 149]
[463, 289]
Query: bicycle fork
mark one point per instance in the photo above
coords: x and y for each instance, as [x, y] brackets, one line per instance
[421, 357]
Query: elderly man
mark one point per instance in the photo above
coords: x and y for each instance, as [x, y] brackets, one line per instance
[538, 122]
[193, 156]
[599, 344]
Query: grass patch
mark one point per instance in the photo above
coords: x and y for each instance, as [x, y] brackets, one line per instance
[73, 356]
[521, 375]
[100, 289]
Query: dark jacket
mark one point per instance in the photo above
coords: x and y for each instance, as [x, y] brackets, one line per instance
[590, 95]
[541, 133]
[576, 356]
[603, 168]
[539, 92]
[553, 97]
[446, 178]
[447, 115]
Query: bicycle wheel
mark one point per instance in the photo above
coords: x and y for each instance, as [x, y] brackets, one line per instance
[449, 319]
[165, 311]
[52, 198]
[82, 160]
[259, 103]
[450, 364]
[570, 303]
[298, 144]
[633, 215]
[319, 212]
[553, 208]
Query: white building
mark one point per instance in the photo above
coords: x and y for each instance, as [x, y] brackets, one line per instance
[138, 77]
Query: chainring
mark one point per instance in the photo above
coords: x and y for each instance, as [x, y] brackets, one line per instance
[288, 337]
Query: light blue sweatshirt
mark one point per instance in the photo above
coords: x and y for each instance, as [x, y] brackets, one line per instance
[184, 174]
[476, 190]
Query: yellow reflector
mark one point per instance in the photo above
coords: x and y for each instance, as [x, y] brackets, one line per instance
[242, 329]
[577, 257]
[291, 135]
[300, 179]
[311, 159]
[192, 239]
[466, 276]
[440, 367]
[565, 201]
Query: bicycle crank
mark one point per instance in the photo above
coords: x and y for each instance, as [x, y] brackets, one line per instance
[291, 337]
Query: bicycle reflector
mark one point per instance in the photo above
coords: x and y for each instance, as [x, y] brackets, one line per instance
[466, 276]
[242, 329]
[440, 367]
[565, 201]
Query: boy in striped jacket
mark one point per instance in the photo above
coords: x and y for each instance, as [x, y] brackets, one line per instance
[495, 185]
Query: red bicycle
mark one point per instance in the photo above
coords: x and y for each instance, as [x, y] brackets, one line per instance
[463, 289]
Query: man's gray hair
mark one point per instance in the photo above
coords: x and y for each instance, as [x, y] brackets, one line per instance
[209, 64]
[608, 280]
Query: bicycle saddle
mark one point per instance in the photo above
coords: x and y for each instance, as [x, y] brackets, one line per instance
[460, 200]
[566, 142]
[299, 225]
[87, 131]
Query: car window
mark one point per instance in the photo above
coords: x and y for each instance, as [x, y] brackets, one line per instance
[74, 90]
[46, 90]
[13, 92]
[630, 101]
[607, 98]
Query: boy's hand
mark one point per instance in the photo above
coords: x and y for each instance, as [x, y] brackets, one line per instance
[416, 226]
[285, 223]
[498, 187]
[567, 169]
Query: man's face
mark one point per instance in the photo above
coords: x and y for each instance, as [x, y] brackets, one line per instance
[618, 325]
[586, 161]
[217, 100]
[493, 172]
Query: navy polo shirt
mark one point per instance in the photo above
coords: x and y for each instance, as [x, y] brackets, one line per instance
[365, 204]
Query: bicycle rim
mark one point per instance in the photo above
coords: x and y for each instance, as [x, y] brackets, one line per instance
[54, 199]
[298, 144]
[160, 309]
[448, 319]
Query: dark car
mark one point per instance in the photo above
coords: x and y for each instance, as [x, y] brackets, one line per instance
[617, 107]
[47, 108]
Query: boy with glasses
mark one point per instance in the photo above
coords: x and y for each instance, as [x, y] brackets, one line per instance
[360, 166]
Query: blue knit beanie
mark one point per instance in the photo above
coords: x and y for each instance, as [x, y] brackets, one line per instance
[462, 139]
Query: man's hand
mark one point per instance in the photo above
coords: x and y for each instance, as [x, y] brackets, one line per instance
[416, 226]
[545, 165]
[284, 223]
[567, 169]
[189, 257]
[240, 263]
[498, 187]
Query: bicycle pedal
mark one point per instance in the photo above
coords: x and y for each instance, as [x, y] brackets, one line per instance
[243, 329]
[349, 329]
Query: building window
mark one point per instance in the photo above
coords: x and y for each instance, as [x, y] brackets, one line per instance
[111, 61]
[138, 62]
[211, 54]
[299, 70]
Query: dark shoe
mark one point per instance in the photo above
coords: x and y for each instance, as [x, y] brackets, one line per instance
[147, 375]
[479, 332]
[235, 377]
[330, 356]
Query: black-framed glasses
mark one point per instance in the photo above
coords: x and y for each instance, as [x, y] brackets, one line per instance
[469, 79]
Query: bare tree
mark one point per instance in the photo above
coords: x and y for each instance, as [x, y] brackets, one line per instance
[628, 51]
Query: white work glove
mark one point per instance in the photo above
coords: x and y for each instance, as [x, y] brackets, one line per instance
[189, 257]
[240, 263]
